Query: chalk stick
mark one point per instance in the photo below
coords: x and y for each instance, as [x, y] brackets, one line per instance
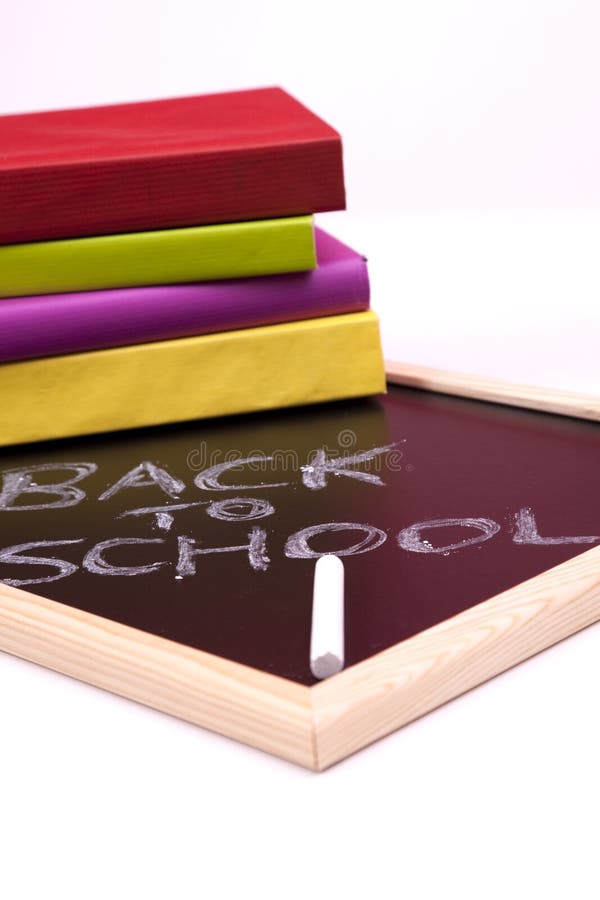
[327, 629]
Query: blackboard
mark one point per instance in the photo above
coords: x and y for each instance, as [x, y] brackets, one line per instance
[441, 501]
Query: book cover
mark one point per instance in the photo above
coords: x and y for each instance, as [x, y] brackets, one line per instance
[242, 155]
[71, 323]
[171, 256]
[252, 369]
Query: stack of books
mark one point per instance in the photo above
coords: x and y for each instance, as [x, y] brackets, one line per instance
[159, 262]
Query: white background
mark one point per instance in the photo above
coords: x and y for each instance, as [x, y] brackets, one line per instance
[472, 152]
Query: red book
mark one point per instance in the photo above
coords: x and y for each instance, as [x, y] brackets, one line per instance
[164, 164]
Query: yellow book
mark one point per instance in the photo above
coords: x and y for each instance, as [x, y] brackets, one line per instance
[175, 255]
[191, 378]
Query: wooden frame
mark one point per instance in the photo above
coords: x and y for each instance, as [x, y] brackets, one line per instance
[320, 725]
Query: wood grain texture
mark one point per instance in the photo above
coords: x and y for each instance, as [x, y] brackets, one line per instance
[313, 727]
[480, 387]
[265, 711]
[375, 697]
[318, 726]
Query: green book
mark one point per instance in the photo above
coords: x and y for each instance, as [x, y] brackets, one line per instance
[176, 255]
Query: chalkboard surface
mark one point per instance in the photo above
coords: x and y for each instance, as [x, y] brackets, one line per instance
[441, 502]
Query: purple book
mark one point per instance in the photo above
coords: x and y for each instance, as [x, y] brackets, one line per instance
[68, 323]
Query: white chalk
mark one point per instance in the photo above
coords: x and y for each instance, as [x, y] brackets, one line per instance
[327, 631]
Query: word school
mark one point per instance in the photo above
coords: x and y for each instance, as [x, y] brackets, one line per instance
[357, 537]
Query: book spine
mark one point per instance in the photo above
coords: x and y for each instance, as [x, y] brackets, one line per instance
[108, 197]
[73, 323]
[311, 361]
[158, 257]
